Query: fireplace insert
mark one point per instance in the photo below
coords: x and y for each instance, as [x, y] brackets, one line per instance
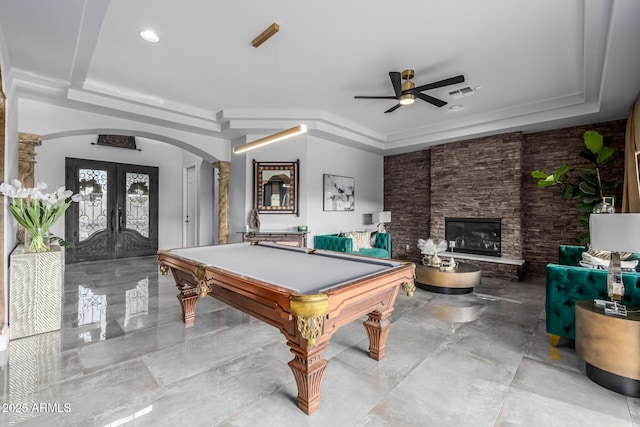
[480, 236]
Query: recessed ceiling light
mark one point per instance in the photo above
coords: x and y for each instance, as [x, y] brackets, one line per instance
[149, 36]
[455, 107]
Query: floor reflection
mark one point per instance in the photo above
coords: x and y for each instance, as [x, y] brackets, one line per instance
[456, 311]
[137, 305]
[106, 299]
[35, 361]
[92, 310]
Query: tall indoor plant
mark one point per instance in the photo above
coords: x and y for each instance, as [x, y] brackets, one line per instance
[583, 183]
[37, 211]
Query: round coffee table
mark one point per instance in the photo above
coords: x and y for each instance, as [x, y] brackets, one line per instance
[459, 280]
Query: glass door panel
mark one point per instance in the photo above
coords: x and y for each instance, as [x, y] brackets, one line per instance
[93, 208]
[137, 204]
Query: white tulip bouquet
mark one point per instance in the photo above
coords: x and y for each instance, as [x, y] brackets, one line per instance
[37, 211]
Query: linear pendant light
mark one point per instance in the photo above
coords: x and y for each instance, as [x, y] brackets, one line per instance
[266, 34]
[278, 136]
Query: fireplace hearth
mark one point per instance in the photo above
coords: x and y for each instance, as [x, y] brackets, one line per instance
[480, 236]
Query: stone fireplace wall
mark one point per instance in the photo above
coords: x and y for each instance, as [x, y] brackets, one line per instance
[491, 177]
[479, 178]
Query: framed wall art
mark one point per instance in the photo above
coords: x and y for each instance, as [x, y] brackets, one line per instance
[276, 187]
[118, 141]
[339, 193]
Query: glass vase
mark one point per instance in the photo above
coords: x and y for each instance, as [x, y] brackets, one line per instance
[37, 240]
[606, 206]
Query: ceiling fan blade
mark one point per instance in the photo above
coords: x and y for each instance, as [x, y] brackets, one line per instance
[394, 108]
[375, 97]
[441, 83]
[431, 100]
[396, 81]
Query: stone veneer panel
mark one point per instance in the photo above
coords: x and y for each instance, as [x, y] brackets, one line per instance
[407, 182]
[491, 177]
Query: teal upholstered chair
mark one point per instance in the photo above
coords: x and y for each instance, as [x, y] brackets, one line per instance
[334, 242]
[568, 283]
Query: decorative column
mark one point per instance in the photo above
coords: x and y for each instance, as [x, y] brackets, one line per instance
[27, 143]
[223, 201]
[27, 157]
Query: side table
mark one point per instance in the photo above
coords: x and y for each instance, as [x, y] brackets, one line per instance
[610, 346]
[291, 238]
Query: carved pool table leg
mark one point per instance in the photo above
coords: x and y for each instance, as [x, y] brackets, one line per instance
[188, 298]
[377, 328]
[308, 368]
[554, 340]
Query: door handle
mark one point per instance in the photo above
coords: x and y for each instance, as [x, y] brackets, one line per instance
[119, 218]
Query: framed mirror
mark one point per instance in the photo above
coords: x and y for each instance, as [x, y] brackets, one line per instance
[275, 187]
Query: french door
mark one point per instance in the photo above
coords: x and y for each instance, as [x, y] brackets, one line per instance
[118, 214]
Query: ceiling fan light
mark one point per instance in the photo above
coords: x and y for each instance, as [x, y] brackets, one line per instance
[407, 99]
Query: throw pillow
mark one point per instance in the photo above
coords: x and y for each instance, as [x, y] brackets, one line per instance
[355, 242]
[374, 238]
[349, 235]
[591, 261]
[587, 265]
[361, 240]
[607, 254]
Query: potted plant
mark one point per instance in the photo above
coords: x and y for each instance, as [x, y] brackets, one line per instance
[584, 183]
[37, 211]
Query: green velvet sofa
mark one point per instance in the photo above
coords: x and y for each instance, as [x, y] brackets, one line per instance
[334, 242]
[568, 283]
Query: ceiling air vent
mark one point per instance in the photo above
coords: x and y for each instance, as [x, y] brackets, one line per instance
[465, 91]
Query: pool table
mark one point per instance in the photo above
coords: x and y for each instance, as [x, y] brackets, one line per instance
[306, 293]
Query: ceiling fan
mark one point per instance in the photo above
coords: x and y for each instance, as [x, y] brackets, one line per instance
[407, 92]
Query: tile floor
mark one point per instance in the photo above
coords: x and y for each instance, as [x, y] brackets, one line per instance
[123, 357]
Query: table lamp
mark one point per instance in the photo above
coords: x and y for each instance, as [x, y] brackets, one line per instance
[381, 218]
[616, 233]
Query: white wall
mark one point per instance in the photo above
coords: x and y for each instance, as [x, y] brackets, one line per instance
[50, 168]
[239, 187]
[317, 157]
[336, 159]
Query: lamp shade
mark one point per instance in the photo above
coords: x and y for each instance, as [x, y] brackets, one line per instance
[383, 217]
[615, 232]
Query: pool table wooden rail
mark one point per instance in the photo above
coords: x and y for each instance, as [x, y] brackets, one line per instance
[373, 296]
